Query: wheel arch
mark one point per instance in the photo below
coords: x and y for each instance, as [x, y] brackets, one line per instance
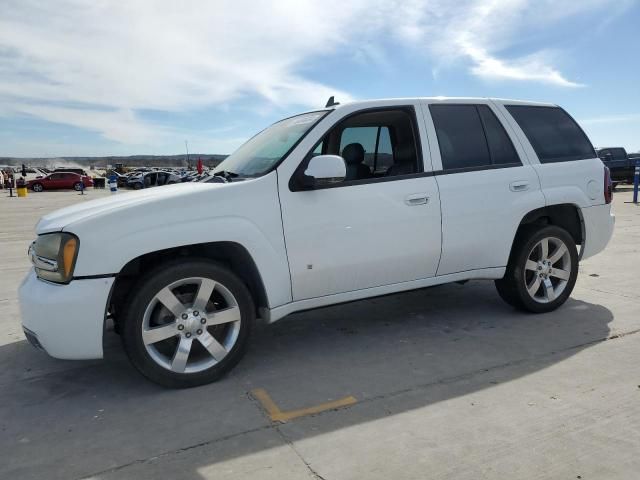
[230, 254]
[565, 215]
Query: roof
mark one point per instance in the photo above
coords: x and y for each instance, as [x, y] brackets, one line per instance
[385, 101]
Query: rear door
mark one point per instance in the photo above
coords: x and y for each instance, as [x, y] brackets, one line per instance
[485, 186]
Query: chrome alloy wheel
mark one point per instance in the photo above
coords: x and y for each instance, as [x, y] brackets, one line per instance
[191, 325]
[547, 270]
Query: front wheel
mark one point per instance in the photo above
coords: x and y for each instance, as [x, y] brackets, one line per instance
[542, 270]
[188, 323]
[37, 187]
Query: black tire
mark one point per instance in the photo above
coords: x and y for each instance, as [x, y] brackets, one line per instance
[37, 187]
[77, 186]
[143, 294]
[512, 288]
[137, 186]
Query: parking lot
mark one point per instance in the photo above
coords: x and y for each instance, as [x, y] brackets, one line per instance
[444, 382]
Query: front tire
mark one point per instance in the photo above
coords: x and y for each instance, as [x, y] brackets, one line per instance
[188, 323]
[542, 270]
[37, 187]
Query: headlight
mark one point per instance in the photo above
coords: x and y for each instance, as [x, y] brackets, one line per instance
[54, 256]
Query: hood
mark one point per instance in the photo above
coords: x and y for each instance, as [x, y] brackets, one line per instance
[120, 203]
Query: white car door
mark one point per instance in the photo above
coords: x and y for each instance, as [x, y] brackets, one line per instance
[486, 185]
[381, 225]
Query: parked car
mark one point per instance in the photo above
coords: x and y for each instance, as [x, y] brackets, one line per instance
[58, 181]
[476, 189]
[152, 179]
[621, 166]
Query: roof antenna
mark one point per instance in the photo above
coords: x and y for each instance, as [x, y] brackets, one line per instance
[331, 102]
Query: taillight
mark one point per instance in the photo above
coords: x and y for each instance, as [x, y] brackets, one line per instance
[608, 188]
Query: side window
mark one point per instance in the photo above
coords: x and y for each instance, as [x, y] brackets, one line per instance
[500, 147]
[374, 144]
[618, 154]
[365, 136]
[460, 136]
[553, 134]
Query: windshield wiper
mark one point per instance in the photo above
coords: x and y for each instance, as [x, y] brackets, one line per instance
[226, 175]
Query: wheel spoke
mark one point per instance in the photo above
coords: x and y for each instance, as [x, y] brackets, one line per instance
[561, 274]
[549, 292]
[533, 288]
[531, 265]
[157, 334]
[179, 362]
[170, 301]
[544, 247]
[204, 294]
[216, 350]
[231, 314]
[557, 255]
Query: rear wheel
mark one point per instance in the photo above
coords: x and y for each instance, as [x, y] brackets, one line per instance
[77, 186]
[137, 186]
[188, 323]
[37, 187]
[542, 270]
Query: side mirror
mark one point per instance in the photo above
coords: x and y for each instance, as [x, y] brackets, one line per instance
[325, 170]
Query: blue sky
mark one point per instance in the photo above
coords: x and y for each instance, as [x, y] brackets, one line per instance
[142, 76]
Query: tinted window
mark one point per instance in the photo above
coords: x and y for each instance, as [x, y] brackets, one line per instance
[553, 134]
[500, 146]
[618, 154]
[460, 136]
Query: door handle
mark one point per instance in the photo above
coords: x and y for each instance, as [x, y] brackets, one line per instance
[519, 186]
[417, 199]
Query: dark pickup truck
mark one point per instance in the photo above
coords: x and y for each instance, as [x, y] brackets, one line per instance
[621, 165]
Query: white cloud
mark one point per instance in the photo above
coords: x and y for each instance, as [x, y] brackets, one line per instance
[98, 64]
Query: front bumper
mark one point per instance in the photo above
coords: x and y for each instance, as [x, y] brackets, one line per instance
[66, 320]
[598, 223]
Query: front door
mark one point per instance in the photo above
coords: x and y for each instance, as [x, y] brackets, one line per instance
[380, 226]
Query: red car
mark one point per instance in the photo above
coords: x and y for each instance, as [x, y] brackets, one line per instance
[60, 180]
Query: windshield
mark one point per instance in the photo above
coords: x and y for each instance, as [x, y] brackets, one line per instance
[262, 152]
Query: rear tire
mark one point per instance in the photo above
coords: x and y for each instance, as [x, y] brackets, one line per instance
[174, 330]
[77, 186]
[542, 270]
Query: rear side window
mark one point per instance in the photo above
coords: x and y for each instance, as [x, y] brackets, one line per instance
[470, 136]
[553, 134]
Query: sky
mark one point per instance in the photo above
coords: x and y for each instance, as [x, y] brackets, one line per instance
[83, 78]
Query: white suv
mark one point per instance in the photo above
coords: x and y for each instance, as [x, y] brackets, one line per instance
[325, 207]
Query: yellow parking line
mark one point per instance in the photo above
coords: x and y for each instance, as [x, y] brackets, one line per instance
[277, 415]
